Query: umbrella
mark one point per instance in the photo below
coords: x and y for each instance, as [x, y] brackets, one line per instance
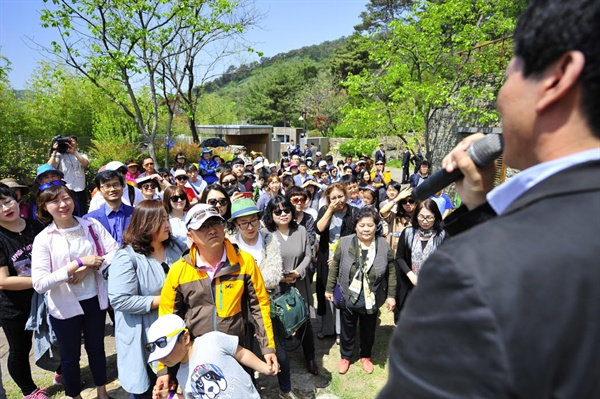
[214, 142]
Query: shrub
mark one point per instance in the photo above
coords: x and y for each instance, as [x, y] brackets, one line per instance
[358, 147]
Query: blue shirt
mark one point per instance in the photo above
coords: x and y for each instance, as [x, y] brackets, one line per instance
[505, 194]
[116, 223]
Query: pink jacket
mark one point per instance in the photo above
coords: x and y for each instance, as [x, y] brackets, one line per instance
[49, 259]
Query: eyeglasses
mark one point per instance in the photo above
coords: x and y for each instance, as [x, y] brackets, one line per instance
[51, 183]
[424, 218]
[215, 201]
[162, 341]
[180, 178]
[177, 198]
[278, 212]
[227, 183]
[8, 203]
[298, 201]
[247, 225]
[148, 186]
[407, 201]
[115, 186]
[201, 213]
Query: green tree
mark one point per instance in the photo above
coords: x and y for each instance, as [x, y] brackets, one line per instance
[440, 55]
[323, 98]
[273, 95]
[380, 13]
[126, 42]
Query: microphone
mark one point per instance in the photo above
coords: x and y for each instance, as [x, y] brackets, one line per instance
[482, 152]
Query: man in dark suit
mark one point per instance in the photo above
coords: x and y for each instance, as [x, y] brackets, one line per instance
[509, 308]
[114, 215]
[380, 153]
[405, 165]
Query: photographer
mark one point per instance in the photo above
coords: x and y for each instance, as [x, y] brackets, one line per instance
[65, 158]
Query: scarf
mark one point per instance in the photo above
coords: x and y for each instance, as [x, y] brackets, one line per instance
[360, 282]
[420, 254]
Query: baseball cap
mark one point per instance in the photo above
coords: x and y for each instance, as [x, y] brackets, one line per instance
[181, 155]
[243, 207]
[318, 153]
[199, 214]
[46, 168]
[272, 165]
[248, 163]
[322, 164]
[162, 336]
[114, 165]
[293, 164]
[258, 159]
[206, 150]
[258, 165]
[179, 172]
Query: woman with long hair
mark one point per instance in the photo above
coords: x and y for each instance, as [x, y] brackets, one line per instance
[67, 261]
[333, 222]
[272, 188]
[363, 266]
[217, 196]
[279, 219]
[396, 212]
[175, 201]
[16, 289]
[137, 275]
[417, 242]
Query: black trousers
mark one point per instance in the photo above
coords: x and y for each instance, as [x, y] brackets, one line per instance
[366, 323]
[81, 203]
[19, 345]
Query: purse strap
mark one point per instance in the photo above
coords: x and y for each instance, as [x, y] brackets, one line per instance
[95, 238]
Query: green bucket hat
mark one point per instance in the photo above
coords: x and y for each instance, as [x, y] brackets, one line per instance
[243, 207]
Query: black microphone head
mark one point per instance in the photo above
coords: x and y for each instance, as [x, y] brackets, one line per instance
[486, 150]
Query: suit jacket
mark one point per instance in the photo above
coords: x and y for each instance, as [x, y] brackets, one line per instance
[510, 308]
[100, 215]
[380, 155]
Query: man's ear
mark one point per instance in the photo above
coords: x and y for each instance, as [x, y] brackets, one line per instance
[560, 78]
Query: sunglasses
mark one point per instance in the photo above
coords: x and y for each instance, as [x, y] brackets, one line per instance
[215, 201]
[298, 201]
[200, 214]
[148, 186]
[227, 183]
[51, 183]
[407, 201]
[177, 198]
[278, 212]
[180, 178]
[162, 341]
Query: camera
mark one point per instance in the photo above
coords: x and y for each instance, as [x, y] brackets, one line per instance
[63, 144]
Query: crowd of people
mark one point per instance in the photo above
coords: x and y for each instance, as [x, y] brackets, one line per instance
[213, 243]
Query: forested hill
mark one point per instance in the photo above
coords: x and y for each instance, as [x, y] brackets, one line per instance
[318, 53]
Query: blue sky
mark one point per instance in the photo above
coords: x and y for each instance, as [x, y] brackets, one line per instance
[289, 24]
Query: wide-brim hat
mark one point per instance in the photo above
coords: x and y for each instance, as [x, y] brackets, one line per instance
[206, 150]
[114, 165]
[12, 183]
[46, 168]
[168, 326]
[243, 207]
[199, 214]
[142, 180]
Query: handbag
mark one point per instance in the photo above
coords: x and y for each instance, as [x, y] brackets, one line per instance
[291, 311]
[338, 297]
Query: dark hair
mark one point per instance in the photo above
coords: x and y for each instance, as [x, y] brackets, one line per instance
[328, 158]
[190, 167]
[348, 179]
[238, 161]
[548, 29]
[287, 182]
[374, 192]
[274, 205]
[340, 162]
[7, 192]
[396, 185]
[425, 163]
[296, 191]
[171, 191]
[49, 194]
[178, 166]
[431, 206]
[226, 173]
[131, 160]
[366, 212]
[216, 187]
[104, 176]
[146, 221]
[222, 168]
